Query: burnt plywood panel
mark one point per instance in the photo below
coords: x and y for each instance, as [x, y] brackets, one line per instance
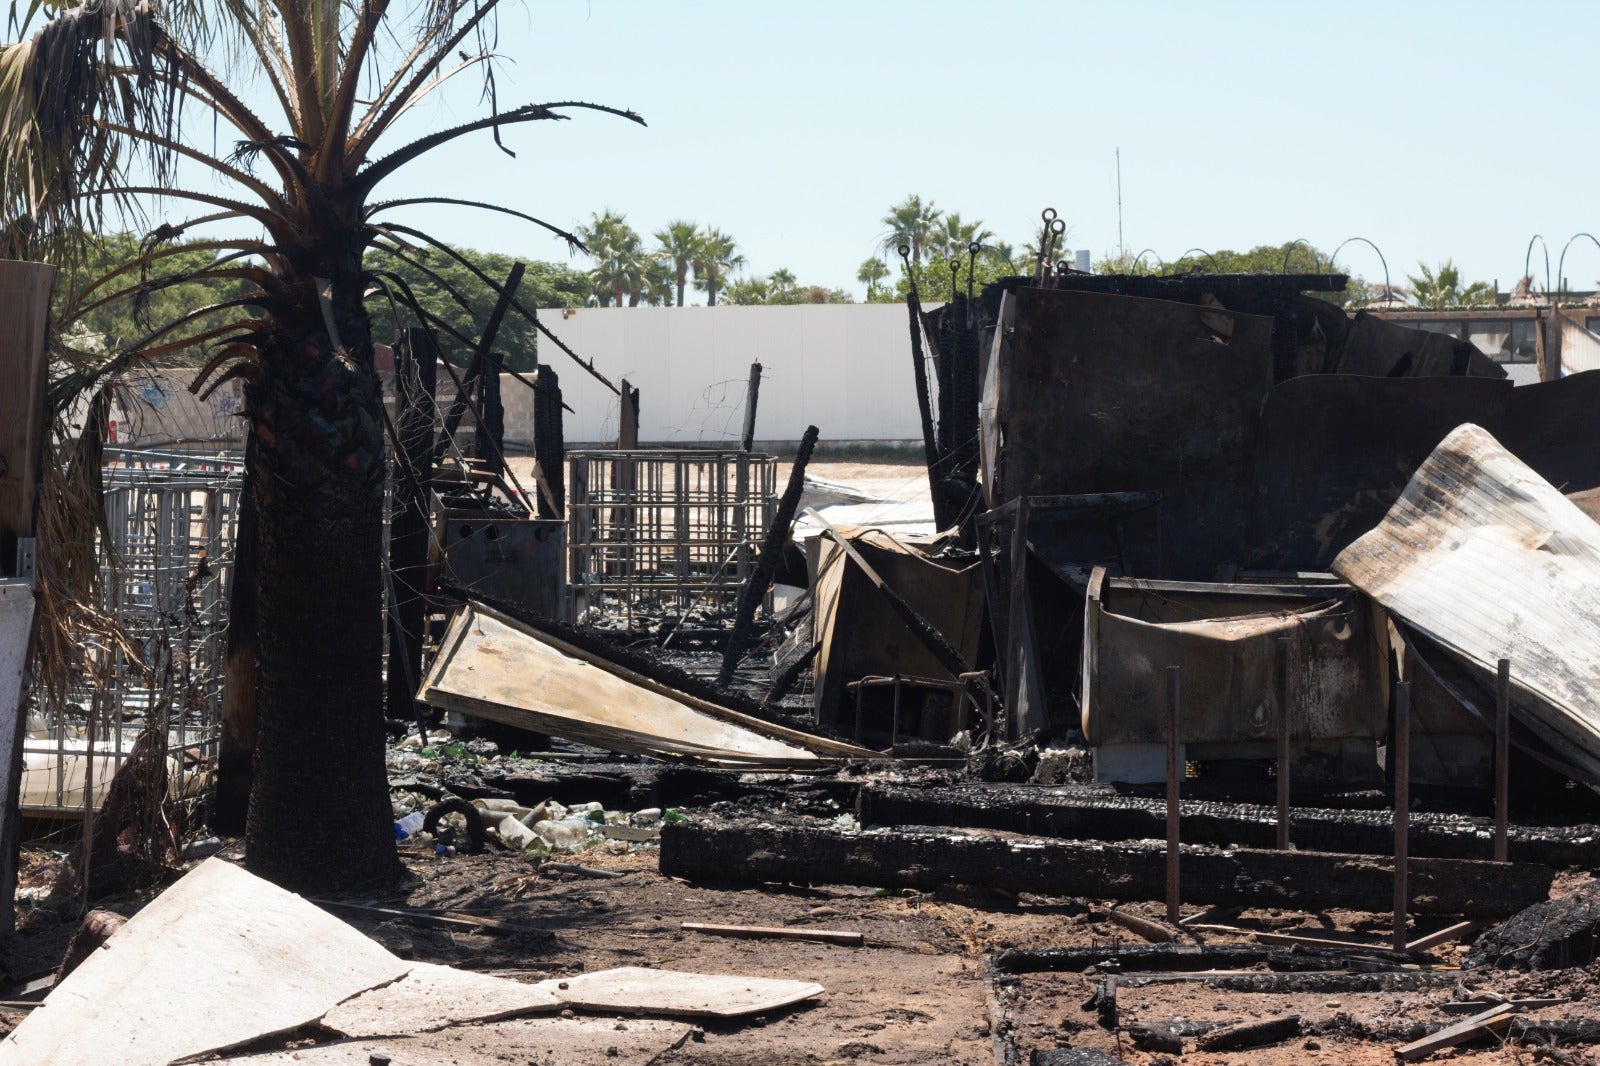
[1117, 393]
[1489, 560]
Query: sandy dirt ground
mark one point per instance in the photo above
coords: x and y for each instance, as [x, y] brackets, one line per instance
[918, 991]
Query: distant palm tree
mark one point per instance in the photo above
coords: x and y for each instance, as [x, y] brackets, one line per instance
[619, 259]
[718, 258]
[679, 244]
[1437, 290]
[870, 272]
[911, 223]
[782, 280]
[747, 291]
[951, 237]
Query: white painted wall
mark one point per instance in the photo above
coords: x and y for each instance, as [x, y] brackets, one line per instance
[844, 367]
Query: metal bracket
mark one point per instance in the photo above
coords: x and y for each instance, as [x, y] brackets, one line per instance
[27, 558]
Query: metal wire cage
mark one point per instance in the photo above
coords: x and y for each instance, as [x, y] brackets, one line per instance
[166, 553]
[667, 532]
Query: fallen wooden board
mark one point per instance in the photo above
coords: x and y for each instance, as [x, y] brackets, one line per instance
[741, 852]
[532, 1040]
[1489, 560]
[1497, 1017]
[494, 667]
[1444, 936]
[640, 990]
[219, 959]
[432, 997]
[776, 932]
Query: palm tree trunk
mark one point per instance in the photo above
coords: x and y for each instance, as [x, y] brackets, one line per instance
[711, 287]
[683, 279]
[320, 818]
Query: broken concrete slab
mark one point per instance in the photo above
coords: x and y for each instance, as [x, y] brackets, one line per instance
[495, 667]
[642, 990]
[1488, 560]
[265, 961]
[433, 997]
[540, 1041]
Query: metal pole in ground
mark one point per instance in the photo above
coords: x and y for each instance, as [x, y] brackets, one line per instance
[1174, 778]
[1502, 759]
[1400, 760]
[1285, 661]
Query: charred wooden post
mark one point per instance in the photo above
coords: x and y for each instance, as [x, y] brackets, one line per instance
[745, 852]
[1401, 756]
[628, 419]
[771, 552]
[1502, 758]
[1286, 653]
[549, 442]
[747, 439]
[489, 436]
[1174, 780]
[410, 525]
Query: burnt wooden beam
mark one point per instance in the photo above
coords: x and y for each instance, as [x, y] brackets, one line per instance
[1078, 812]
[755, 588]
[928, 858]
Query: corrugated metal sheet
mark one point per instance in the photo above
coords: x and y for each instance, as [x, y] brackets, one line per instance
[1491, 561]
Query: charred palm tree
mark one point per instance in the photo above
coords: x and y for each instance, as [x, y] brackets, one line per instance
[114, 106]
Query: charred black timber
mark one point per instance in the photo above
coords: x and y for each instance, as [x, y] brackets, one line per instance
[1251, 1034]
[755, 588]
[489, 436]
[1323, 984]
[549, 442]
[1149, 959]
[1080, 813]
[919, 365]
[924, 857]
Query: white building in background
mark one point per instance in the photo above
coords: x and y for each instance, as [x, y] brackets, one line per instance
[845, 368]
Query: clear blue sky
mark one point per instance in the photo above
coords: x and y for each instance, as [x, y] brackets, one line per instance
[1434, 129]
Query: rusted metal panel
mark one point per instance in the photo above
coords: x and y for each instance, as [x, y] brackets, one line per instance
[1225, 639]
[1489, 560]
[1116, 393]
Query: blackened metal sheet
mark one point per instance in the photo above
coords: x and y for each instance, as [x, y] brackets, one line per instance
[1552, 426]
[1380, 348]
[1335, 450]
[1116, 394]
